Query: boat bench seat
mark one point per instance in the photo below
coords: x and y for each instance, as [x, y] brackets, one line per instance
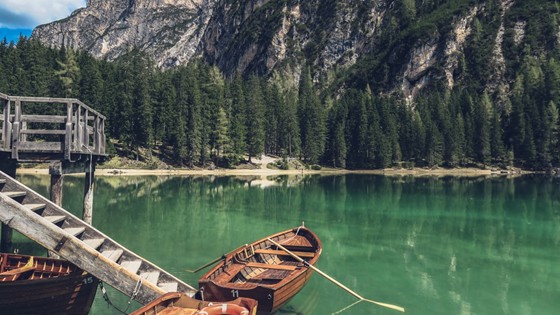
[283, 253]
[270, 266]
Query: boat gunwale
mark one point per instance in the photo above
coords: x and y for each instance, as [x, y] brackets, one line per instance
[231, 258]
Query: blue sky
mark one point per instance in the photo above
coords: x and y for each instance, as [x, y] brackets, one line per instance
[21, 16]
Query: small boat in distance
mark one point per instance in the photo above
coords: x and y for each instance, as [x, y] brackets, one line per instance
[264, 272]
[41, 285]
[177, 303]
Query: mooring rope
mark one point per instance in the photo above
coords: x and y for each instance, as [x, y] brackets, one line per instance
[106, 298]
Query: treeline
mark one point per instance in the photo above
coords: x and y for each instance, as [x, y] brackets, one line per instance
[195, 115]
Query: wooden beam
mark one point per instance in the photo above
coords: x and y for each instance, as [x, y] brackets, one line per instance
[89, 185]
[9, 167]
[44, 118]
[51, 236]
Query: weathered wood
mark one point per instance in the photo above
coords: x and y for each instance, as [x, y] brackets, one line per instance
[44, 119]
[56, 189]
[82, 244]
[7, 126]
[41, 146]
[49, 236]
[43, 132]
[83, 129]
[15, 130]
[89, 184]
[68, 137]
[9, 167]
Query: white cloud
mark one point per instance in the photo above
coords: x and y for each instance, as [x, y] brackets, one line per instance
[30, 13]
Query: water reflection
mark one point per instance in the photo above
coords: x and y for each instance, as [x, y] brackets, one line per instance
[433, 245]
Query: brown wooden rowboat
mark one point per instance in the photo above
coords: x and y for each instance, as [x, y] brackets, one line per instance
[177, 303]
[263, 272]
[41, 285]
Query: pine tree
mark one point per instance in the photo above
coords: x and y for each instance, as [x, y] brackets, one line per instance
[312, 120]
[483, 118]
[237, 118]
[255, 118]
[68, 73]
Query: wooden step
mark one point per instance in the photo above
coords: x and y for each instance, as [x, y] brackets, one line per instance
[75, 231]
[150, 276]
[15, 194]
[283, 253]
[55, 218]
[2, 181]
[270, 266]
[94, 243]
[169, 286]
[35, 206]
[132, 265]
[113, 254]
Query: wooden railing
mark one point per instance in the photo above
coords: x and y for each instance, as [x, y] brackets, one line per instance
[50, 126]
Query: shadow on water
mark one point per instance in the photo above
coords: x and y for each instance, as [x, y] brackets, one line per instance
[446, 245]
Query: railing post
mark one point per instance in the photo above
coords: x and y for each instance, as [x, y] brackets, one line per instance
[16, 128]
[85, 130]
[68, 134]
[7, 127]
[78, 129]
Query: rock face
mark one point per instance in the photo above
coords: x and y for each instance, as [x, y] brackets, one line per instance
[264, 36]
[168, 30]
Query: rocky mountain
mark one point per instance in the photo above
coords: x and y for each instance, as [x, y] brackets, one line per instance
[394, 46]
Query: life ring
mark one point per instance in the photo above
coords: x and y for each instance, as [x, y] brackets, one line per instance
[224, 309]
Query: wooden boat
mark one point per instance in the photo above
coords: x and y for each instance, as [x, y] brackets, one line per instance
[263, 272]
[41, 285]
[176, 303]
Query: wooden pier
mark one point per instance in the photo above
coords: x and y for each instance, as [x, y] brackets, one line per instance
[47, 129]
[70, 136]
[80, 243]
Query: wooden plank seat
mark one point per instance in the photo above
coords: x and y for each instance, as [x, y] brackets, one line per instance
[269, 266]
[283, 253]
[271, 275]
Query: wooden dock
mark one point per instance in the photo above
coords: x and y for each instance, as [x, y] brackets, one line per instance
[70, 135]
[43, 128]
[78, 242]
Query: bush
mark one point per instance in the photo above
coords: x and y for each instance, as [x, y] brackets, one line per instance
[316, 167]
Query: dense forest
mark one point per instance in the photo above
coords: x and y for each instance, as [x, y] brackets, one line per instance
[196, 115]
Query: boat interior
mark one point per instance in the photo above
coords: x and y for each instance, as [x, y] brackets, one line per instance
[19, 267]
[265, 264]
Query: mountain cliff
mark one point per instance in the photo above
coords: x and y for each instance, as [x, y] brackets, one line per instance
[393, 46]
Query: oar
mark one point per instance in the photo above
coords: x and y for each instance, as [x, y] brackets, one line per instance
[394, 307]
[207, 264]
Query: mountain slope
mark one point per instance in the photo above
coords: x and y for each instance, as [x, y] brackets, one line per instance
[397, 47]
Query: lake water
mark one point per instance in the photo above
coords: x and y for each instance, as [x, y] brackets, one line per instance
[434, 246]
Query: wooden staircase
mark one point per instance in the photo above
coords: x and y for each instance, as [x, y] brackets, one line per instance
[78, 242]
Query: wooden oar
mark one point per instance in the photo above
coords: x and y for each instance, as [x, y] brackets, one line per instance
[394, 307]
[207, 264]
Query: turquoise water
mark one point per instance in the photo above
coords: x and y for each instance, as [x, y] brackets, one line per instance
[434, 246]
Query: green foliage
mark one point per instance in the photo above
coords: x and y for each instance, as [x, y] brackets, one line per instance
[197, 115]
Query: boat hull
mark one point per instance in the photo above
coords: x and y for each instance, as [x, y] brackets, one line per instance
[260, 272]
[70, 294]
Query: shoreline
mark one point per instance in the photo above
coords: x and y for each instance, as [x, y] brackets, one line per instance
[263, 172]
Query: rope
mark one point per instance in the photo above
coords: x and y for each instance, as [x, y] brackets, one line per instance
[132, 297]
[106, 298]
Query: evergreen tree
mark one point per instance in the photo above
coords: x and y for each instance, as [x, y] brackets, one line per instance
[483, 118]
[68, 73]
[237, 118]
[312, 120]
[255, 118]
